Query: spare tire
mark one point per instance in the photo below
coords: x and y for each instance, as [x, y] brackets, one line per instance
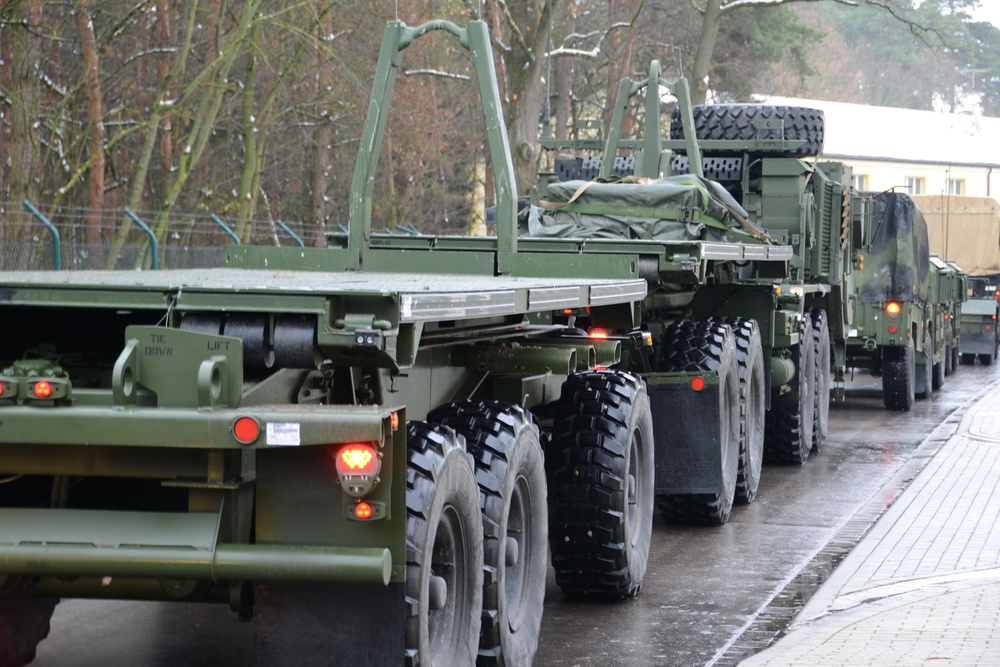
[739, 122]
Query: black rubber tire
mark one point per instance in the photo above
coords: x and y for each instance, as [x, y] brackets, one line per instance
[24, 621]
[924, 386]
[821, 348]
[696, 347]
[444, 544]
[986, 359]
[968, 359]
[738, 122]
[948, 368]
[938, 372]
[898, 377]
[753, 405]
[600, 471]
[955, 355]
[510, 469]
[788, 435]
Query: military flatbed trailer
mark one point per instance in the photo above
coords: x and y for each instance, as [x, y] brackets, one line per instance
[356, 432]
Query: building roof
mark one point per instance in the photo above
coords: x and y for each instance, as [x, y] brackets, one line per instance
[858, 131]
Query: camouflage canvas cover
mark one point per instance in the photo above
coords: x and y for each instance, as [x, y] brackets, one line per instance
[678, 208]
[897, 262]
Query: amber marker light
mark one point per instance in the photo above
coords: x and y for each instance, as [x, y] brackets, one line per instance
[246, 430]
[394, 421]
[892, 309]
[698, 383]
[598, 334]
[363, 510]
[42, 389]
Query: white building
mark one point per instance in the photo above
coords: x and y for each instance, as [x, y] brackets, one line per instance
[919, 152]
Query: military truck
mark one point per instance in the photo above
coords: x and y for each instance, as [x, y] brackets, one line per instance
[751, 158]
[307, 431]
[980, 337]
[894, 329]
[948, 287]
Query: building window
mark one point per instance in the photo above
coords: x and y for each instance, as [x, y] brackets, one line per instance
[956, 186]
[914, 185]
[861, 182]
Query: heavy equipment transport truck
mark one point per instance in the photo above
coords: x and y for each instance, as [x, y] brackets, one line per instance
[753, 159]
[371, 449]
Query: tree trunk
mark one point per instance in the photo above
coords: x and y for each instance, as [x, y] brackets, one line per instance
[95, 121]
[703, 56]
[25, 93]
[525, 64]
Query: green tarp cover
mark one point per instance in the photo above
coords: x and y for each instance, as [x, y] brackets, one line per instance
[897, 265]
[678, 208]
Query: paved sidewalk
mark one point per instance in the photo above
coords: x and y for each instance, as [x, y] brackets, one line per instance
[923, 586]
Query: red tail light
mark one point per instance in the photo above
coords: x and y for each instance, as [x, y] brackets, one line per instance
[698, 383]
[358, 465]
[357, 460]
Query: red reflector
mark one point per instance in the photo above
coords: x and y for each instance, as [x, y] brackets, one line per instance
[394, 421]
[363, 510]
[246, 430]
[1, 389]
[947, 316]
[698, 383]
[42, 389]
[892, 328]
[987, 327]
[357, 460]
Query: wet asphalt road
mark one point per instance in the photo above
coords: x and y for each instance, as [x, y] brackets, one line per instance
[711, 596]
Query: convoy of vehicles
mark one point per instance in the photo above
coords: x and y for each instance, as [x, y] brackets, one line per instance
[408, 427]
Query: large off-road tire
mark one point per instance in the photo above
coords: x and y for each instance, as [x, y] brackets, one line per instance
[788, 435]
[938, 371]
[698, 347]
[444, 549]
[986, 359]
[600, 471]
[948, 367]
[955, 355]
[510, 469]
[968, 359]
[924, 386]
[739, 122]
[898, 377]
[753, 405]
[821, 348]
[24, 621]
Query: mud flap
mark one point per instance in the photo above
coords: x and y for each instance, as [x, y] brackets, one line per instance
[310, 624]
[687, 436]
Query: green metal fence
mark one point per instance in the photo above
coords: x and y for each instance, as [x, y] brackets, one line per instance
[35, 237]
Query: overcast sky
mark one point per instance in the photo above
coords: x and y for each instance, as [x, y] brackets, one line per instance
[989, 10]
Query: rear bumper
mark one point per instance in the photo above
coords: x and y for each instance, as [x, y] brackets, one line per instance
[100, 543]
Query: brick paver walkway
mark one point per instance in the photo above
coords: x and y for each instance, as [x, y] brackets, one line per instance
[923, 587]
